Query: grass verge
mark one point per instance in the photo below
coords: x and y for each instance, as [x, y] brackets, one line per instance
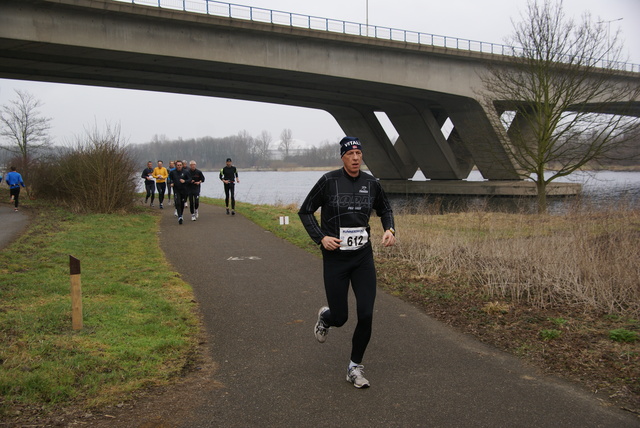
[140, 328]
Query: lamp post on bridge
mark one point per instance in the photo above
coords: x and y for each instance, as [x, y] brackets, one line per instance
[608, 33]
[367, 17]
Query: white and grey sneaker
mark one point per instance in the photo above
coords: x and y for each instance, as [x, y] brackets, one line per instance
[175, 213]
[355, 375]
[321, 329]
[196, 213]
[193, 217]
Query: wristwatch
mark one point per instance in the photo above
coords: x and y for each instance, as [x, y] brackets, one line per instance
[392, 230]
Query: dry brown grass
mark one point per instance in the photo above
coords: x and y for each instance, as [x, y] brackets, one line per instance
[587, 260]
[549, 289]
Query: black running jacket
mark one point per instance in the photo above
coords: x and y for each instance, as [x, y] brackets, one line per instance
[346, 202]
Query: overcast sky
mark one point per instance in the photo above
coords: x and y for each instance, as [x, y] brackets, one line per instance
[144, 114]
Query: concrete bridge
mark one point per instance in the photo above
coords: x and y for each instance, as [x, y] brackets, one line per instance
[419, 87]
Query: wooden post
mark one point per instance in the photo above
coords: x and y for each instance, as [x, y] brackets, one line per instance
[76, 293]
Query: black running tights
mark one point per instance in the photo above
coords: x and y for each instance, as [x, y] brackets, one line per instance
[151, 190]
[230, 188]
[179, 198]
[357, 268]
[194, 202]
[162, 187]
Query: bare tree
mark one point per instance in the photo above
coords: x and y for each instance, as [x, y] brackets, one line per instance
[286, 142]
[23, 128]
[263, 145]
[569, 103]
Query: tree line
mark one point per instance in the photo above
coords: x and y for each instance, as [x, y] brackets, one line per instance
[246, 150]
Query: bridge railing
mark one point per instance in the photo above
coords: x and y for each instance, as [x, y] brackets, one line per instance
[275, 17]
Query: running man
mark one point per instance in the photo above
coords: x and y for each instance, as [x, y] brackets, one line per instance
[229, 176]
[172, 166]
[197, 178]
[347, 197]
[180, 179]
[14, 181]
[185, 166]
[149, 183]
[160, 173]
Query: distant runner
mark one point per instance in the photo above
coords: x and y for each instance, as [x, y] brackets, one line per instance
[180, 181]
[197, 178]
[229, 176]
[14, 181]
[347, 197]
[149, 183]
[172, 166]
[160, 173]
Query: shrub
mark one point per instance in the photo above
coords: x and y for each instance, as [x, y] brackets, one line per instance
[96, 174]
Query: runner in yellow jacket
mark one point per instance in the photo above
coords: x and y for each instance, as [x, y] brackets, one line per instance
[160, 173]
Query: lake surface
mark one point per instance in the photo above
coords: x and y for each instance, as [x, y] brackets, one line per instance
[291, 187]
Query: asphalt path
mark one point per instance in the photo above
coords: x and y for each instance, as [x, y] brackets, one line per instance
[259, 297]
[13, 223]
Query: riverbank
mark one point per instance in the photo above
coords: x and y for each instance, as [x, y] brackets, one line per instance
[281, 188]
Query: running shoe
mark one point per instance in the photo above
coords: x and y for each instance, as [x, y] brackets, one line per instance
[15, 210]
[151, 205]
[193, 217]
[175, 212]
[355, 375]
[179, 220]
[233, 212]
[227, 211]
[161, 207]
[321, 329]
[196, 213]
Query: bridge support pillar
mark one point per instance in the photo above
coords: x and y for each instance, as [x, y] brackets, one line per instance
[380, 155]
[481, 133]
[423, 137]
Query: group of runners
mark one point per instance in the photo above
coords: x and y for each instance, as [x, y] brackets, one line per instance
[186, 183]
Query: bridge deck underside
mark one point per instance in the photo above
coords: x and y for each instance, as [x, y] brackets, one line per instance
[353, 103]
[118, 45]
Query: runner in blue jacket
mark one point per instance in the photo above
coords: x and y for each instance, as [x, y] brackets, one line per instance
[14, 181]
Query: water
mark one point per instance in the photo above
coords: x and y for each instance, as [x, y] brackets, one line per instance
[266, 187]
[291, 187]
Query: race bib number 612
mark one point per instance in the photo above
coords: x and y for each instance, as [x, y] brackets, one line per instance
[353, 238]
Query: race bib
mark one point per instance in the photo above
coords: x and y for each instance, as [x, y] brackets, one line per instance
[353, 238]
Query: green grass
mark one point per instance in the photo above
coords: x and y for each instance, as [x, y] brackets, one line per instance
[139, 325]
[623, 335]
[550, 334]
[267, 217]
